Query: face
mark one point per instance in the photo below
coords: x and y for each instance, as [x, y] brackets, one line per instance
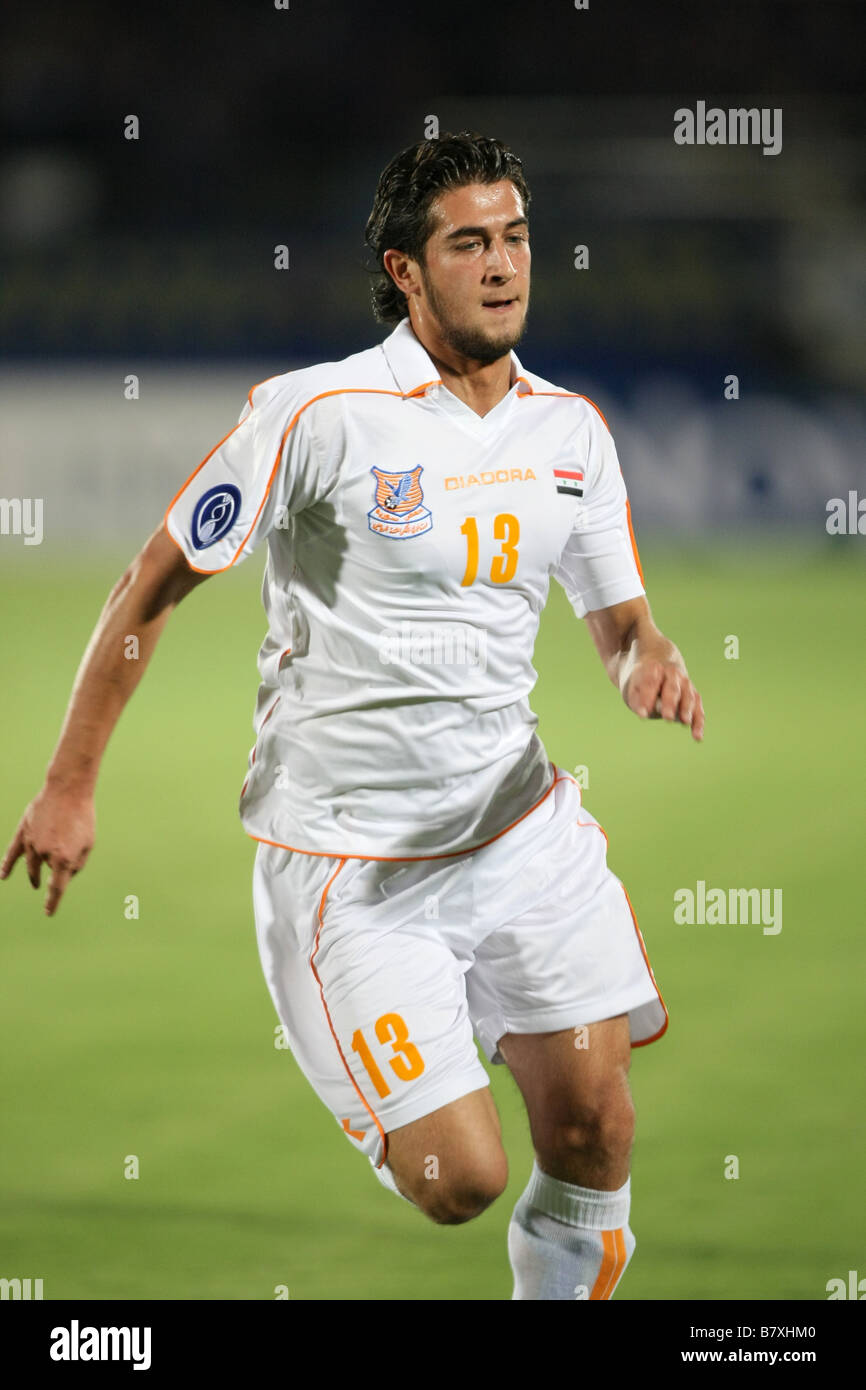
[472, 288]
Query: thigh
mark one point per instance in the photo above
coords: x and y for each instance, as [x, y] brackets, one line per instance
[457, 1148]
[373, 1002]
[569, 1072]
[575, 1087]
[565, 949]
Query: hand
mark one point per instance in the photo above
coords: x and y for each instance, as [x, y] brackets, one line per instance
[661, 690]
[57, 829]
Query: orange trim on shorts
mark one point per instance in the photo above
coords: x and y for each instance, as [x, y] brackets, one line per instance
[338, 391]
[415, 858]
[382, 1135]
[612, 1265]
[589, 825]
[663, 1028]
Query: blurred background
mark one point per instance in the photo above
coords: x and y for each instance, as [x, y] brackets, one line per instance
[140, 301]
[260, 127]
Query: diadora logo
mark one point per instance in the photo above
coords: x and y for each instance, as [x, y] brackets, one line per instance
[399, 511]
[501, 475]
[214, 515]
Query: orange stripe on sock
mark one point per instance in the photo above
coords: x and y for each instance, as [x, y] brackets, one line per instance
[608, 1264]
[619, 1242]
[612, 1265]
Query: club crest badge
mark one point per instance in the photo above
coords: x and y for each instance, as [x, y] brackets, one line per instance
[399, 511]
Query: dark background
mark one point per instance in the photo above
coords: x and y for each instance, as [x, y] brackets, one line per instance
[261, 126]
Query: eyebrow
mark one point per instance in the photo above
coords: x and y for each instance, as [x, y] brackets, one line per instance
[482, 231]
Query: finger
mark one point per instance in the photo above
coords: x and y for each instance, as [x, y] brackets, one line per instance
[56, 888]
[687, 703]
[670, 694]
[34, 864]
[643, 692]
[13, 853]
[698, 719]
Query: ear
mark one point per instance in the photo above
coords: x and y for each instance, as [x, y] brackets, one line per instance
[403, 271]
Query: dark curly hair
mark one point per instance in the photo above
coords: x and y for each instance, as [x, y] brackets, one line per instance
[401, 215]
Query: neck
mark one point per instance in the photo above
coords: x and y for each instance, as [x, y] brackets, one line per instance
[480, 385]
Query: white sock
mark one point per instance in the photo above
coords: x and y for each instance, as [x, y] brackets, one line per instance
[568, 1242]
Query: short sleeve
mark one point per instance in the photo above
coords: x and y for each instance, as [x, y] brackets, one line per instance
[263, 471]
[600, 565]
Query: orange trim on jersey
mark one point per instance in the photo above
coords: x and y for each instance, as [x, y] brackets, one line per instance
[592, 825]
[634, 549]
[571, 395]
[195, 471]
[634, 542]
[414, 858]
[416, 390]
[663, 1028]
[338, 391]
[382, 1135]
[597, 411]
[240, 422]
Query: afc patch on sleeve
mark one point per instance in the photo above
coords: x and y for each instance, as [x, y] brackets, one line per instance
[214, 515]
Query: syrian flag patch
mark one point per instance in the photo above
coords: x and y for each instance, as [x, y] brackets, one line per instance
[568, 481]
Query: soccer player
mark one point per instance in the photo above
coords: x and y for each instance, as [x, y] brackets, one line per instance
[423, 873]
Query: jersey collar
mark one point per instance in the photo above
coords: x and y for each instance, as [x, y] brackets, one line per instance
[414, 371]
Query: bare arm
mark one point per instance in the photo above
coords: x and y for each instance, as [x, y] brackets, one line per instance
[57, 828]
[644, 665]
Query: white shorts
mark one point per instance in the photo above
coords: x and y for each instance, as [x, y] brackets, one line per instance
[382, 970]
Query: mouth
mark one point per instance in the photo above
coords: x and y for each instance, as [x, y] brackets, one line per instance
[498, 306]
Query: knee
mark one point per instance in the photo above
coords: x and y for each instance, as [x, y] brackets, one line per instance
[456, 1196]
[603, 1133]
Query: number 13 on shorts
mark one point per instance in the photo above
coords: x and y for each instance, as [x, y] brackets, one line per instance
[406, 1061]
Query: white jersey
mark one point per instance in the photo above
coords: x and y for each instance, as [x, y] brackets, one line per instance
[410, 549]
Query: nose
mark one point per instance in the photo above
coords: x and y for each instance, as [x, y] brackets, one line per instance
[499, 263]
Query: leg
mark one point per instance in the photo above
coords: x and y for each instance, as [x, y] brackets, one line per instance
[451, 1163]
[568, 949]
[581, 1115]
[569, 1235]
[373, 1004]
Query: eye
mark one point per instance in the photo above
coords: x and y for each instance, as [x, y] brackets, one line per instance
[468, 245]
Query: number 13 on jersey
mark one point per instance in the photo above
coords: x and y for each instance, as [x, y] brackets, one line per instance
[503, 565]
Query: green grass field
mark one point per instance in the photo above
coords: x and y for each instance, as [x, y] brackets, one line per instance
[155, 1037]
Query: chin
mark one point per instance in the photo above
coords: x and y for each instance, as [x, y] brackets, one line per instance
[486, 342]
[507, 336]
